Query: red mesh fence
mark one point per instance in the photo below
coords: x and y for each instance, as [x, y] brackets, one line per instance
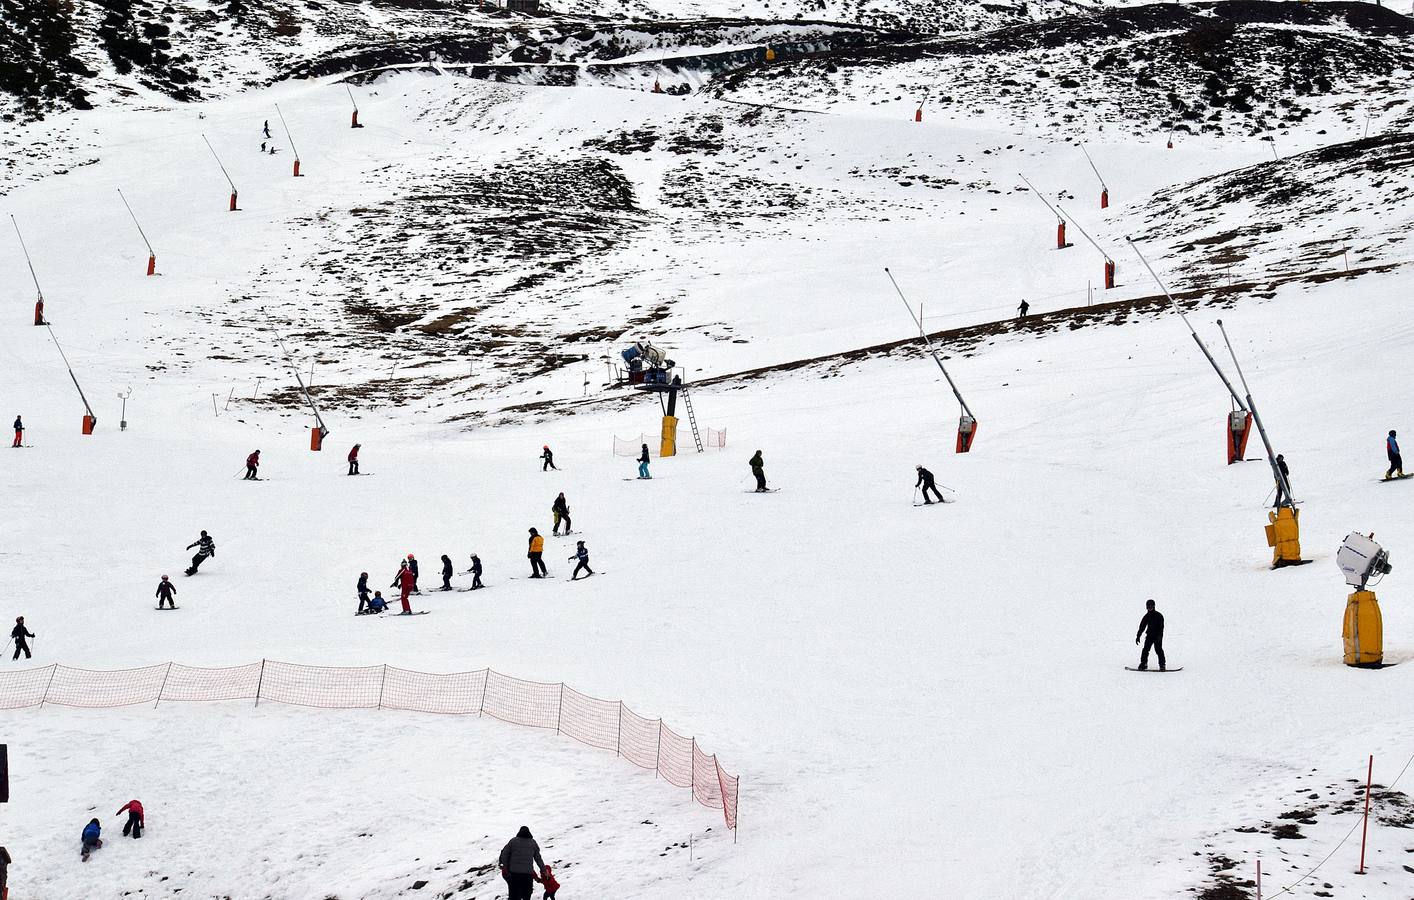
[605, 724]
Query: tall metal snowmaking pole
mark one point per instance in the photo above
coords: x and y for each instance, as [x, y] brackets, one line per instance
[1104, 188]
[1283, 532]
[289, 137]
[1060, 219]
[323, 430]
[151, 254]
[967, 422]
[90, 420]
[1110, 267]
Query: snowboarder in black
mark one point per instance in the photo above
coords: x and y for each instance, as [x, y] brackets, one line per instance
[18, 634]
[1284, 482]
[561, 509]
[166, 591]
[548, 459]
[758, 468]
[475, 572]
[1023, 309]
[362, 594]
[581, 554]
[446, 572]
[205, 548]
[1396, 462]
[925, 481]
[1153, 623]
[19, 433]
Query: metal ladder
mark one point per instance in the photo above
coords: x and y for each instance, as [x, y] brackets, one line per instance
[692, 419]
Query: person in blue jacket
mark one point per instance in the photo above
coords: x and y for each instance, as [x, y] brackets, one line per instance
[377, 604]
[1396, 463]
[91, 839]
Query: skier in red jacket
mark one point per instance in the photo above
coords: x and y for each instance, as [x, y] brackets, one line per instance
[135, 823]
[252, 466]
[405, 580]
[353, 459]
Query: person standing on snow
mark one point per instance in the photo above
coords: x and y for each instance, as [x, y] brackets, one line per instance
[135, 823]
[252, 467]
[548, 459]
[519, 860]
[1153, 623]
[353, 459]
[405, 581]
[91, 838]
[362, 593]
[1023, 309]
[582, 555]
[561, 510]
[537, 548]
[18, 635]
[166, 592]
[19, 433]
[925, 481]
[758, 469]
[446, 572]
[5, 861]
[475, 572]
[412, 564]
[1396, 462]
[266, 129]
[1285, 479]
[643, 463]
[205, 548]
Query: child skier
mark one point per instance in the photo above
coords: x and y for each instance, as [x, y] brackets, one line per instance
[446, 572]
[412, 564]
[475, 572]
[582, 555]
[135, 823]
[561, 510]
[362, 594]
[166, 592]
[377, 604]
[18, 634]
[548, 882]
[548, 459]
[353, 459]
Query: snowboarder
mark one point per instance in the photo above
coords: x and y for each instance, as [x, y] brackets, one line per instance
[758, 468]
[1023, 309]
[537, 547]
[353, 459]
[519, 860]
[1284, 481]
[1153, 623]
[252, 467]
[166, 592]
[18, 634]
[205, 548]
[475, 572]
[643, 463]
[91, 839]
[135, 823]
[262, 146]
[925, 481]
[266, 130]
[548, 459]
[19, 433]
[581, 554]
[362, 594]
[446, 572]
[377, 604]
[1396, 462]
[412, 564]
[561, 509]
[405, 581]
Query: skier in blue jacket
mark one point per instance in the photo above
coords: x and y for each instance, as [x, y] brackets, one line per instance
[1396, 463]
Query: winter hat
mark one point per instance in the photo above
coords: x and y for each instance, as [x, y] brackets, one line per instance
[164, 577]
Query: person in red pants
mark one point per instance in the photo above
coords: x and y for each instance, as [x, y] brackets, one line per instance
[19, 433]
[135, 824]
[405, 580]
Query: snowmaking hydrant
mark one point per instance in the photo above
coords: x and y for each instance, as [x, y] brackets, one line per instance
[1359, 558]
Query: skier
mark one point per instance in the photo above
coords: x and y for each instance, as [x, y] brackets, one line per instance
[1023, 309]
[266, 130]
[252, 465]
[475, 572]
[377, 604]
[353, 459]
[519, 860]
[758, 468]
[405, 581]
[19, 433]
[446, 572]
[925, 481]
[643, 463]
[582, 555]
[561, 510]
[91, 839]
[165, 592]
[1284, 479]
[135, 823]
[537, 547]
[1153, 623]
[549, 459]
[205, 548]
[262, 146]
[362, 594]
[412, 564]
[1396, 463]
[18, 634]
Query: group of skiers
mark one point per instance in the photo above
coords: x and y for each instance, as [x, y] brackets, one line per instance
[92, 837]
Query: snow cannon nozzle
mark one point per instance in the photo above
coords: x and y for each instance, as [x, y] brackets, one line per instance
[1360, 558]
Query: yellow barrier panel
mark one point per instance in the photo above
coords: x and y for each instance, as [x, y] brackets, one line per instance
[1364, 630]
[669, 445]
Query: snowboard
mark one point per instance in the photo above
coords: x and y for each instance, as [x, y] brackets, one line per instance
[167, 607]
[1136, 669]
[1396, 478]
